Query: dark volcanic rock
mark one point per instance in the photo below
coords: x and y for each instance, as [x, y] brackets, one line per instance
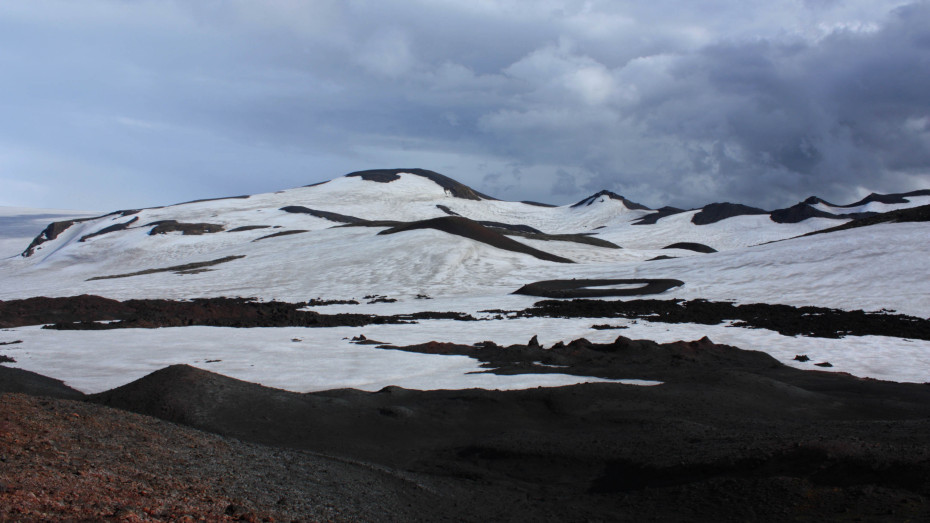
[187, 229]
[799, 213]
[590, 288]
[331, 216]
[914, 214]
[112, 228]
[37, 311]
[716, 212]
[818, 322]
[50, 233]
[652, 219]
[475, 231]
[613, 196]
[691, 246]
[455, 188]
[888, 198]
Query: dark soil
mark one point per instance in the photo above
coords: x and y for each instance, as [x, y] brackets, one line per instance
[589, 288]
[716, 212]
[691, 246]
[475, 231]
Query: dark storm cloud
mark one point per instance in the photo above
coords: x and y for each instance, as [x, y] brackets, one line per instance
[118, 104]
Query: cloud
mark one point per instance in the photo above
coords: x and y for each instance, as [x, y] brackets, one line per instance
[667, 102]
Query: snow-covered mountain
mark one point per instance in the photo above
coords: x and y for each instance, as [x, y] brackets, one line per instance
[19, 225]
[408, 234]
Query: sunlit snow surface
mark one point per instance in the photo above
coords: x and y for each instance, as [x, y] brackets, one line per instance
[870, 268]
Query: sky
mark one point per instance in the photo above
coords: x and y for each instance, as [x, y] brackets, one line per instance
[108, 104]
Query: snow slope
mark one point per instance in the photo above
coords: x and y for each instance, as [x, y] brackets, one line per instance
[870, 268]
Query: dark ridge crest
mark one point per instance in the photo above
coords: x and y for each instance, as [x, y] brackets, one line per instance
[455, 188]
[716, 212]
[800, 212]
[613, 196]
[914, 214]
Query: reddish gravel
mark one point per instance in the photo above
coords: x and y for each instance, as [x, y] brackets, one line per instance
[63, 460]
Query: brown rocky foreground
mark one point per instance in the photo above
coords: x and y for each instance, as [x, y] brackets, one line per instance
[731, 435]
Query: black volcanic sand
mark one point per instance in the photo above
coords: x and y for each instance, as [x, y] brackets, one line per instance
[589, 288]
[731, 435]
[83, 312]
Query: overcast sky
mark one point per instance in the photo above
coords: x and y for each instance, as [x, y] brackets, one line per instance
[109, 104]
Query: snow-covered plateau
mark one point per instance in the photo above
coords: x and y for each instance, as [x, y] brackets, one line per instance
[326, 241]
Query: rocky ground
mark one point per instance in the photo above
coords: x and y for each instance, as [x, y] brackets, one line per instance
[730, 435]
